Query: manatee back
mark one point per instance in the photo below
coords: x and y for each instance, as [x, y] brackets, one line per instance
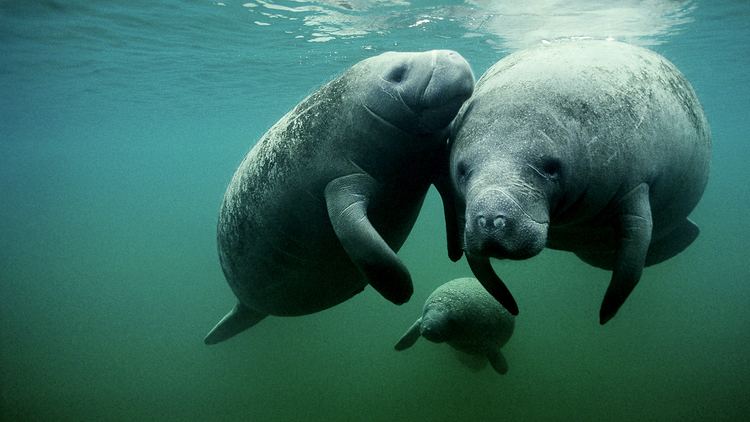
[268, 216]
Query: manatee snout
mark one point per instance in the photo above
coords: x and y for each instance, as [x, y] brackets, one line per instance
[497, 227]
[451, 80]
[419, 93]
[490, 223]
[433, 85]
[434, 327]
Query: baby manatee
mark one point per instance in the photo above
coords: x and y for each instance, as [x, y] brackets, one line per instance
[462, 314]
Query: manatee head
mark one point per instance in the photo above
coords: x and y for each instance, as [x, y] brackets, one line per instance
[436, 326]
[508, 175]
[419, 93]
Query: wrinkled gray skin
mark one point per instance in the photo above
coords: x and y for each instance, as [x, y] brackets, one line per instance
[462, 314]
[594, 147]
[322, 202]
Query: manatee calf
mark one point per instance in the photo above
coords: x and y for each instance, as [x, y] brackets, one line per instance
[319, 206]
[462, 314]
[595, 147]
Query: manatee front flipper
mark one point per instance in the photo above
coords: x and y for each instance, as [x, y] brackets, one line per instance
[675, 242]
[634, 227]
[347, 199]
[239, 319]
[453, 227]
[483, 271]
[498, 362]
[410, 337]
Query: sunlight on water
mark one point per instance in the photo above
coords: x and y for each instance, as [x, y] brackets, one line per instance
[514, 24]
[522, 24]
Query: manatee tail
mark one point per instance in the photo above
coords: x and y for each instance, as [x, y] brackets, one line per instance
[239, 319]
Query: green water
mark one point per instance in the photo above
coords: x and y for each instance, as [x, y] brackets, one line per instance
[121, 124]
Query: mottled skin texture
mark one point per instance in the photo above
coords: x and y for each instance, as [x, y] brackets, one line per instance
[319, 206]
[462, 314]
[594, 147]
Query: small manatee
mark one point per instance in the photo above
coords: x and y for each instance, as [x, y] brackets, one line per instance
[462, 314]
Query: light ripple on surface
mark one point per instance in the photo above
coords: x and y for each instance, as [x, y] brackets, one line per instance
[144, 51]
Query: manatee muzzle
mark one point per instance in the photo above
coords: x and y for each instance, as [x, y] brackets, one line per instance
[451, 83]
[498, 226]
[433, 327]
[432, 86]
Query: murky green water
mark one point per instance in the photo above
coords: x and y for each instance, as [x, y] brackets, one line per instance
[122, 123]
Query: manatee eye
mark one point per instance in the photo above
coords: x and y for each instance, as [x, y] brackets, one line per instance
[462, 171]
[552, 168]
[397, 73]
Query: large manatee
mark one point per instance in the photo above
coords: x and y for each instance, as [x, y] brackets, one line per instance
[320, 205]
[462, 314]
[595, 147]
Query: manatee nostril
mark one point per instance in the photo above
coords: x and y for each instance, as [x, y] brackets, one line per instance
[490, 224]
[397, 73]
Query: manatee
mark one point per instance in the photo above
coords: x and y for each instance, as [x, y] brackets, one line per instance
[321, 204]
[599, 148]
[464, 315]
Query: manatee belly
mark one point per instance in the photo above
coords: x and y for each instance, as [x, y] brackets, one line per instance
[283, 258]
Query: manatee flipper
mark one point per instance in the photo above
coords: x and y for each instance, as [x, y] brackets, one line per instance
[675, 242]
[454, 221]
[498, 362]
[347, 198]
[599, 257]
[239, 319]
[410, 337]
[484, 272]
[634, 228]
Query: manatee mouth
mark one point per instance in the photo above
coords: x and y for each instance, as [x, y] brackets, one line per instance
[498, 226]
[497, 248]
[424, 106]
[487, 247]
[423, 95]
[450, 83]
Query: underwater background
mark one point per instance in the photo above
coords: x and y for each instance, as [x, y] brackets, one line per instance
[121, 124]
